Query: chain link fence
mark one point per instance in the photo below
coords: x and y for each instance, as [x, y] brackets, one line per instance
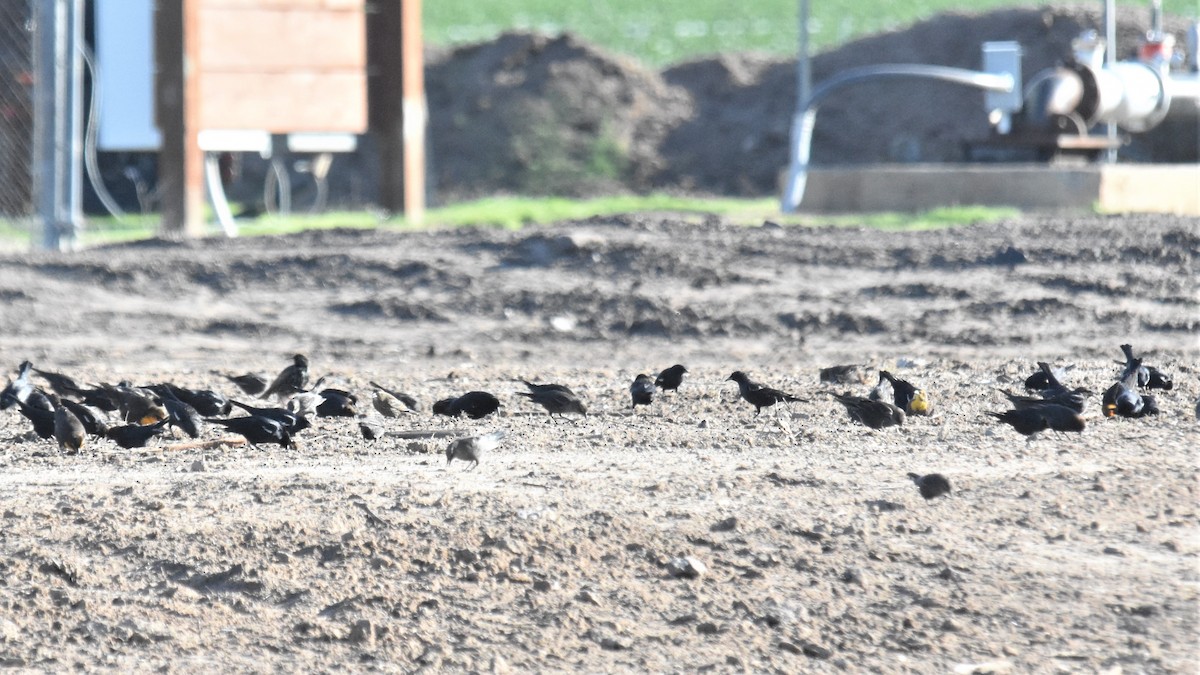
[16, 114]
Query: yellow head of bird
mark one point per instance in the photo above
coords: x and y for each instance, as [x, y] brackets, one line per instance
[919, 405]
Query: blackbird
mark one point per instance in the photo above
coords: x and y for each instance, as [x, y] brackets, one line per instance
[671, 378]
[407, 401]
[206, 401]
[131, 436]
[1122, 398]
[906, 396]
[337, 403]
[1029, 421]
[1041, 379]
[251, 384]
[136, 404]
[473, 404]
[257, 429]
[40, 400]
[292, 422]
[68, 430]
[556, 401]
[1148, 377]
[43, 420]
[61, 384]
[92, 423]
[873, 414]
[757, 395]
[18, 389]
[182, 416]
[1072, 400]
[931, 485]
[642, 390]
[291, 380]
[469, 448]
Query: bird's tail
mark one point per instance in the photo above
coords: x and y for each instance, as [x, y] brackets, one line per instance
[1127, 350]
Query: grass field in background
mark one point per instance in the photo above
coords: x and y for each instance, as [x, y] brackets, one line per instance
[517, 212]
[662, 32]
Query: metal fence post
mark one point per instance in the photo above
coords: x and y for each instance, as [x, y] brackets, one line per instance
[58, 120]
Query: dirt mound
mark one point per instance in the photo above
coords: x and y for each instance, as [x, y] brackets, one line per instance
[533, 114]
[528, 113]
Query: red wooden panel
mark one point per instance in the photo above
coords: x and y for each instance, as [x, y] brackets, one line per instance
[273, 39]
[283, 102]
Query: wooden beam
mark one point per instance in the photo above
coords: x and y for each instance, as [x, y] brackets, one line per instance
[180, 161]
[396, 103]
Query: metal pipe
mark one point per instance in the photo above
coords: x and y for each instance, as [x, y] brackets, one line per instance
[806, 118]
[1110, 59]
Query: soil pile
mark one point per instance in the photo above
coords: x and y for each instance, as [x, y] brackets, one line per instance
[541, 115]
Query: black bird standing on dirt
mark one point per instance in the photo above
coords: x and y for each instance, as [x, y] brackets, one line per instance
[873, 414]
[670, 378]
[931, 485]
[1122, 399]
[131, 436]
[556, 399]
[251, 384]
[1041, 379]
[181, 415]
[68, 431]
[291, 380]
[205, 401]
[257, 430]
[1030, 421]
[292, 422]
[92, 423]
[1072, 400]
[336, 403]
[473, 404]
[43, 420]
[906, 396]
[1148, 377]
[18, 389]
[757, 395]
[642, 390]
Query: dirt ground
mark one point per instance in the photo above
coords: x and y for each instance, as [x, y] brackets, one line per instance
[1071, 553]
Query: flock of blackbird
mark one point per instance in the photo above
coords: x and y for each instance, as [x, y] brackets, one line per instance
[69, 413]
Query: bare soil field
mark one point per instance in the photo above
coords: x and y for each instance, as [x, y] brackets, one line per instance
[1075, 552]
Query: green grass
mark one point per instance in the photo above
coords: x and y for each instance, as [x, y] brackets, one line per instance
[669, 31]
[517, 212]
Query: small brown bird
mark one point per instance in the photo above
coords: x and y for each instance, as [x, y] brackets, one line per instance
[251, 384]
[68, 430]
[931, 485]
[290, 380]
[470, 448]
[556, 401]
[873, 414]
[369, 430]
[392, 403]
